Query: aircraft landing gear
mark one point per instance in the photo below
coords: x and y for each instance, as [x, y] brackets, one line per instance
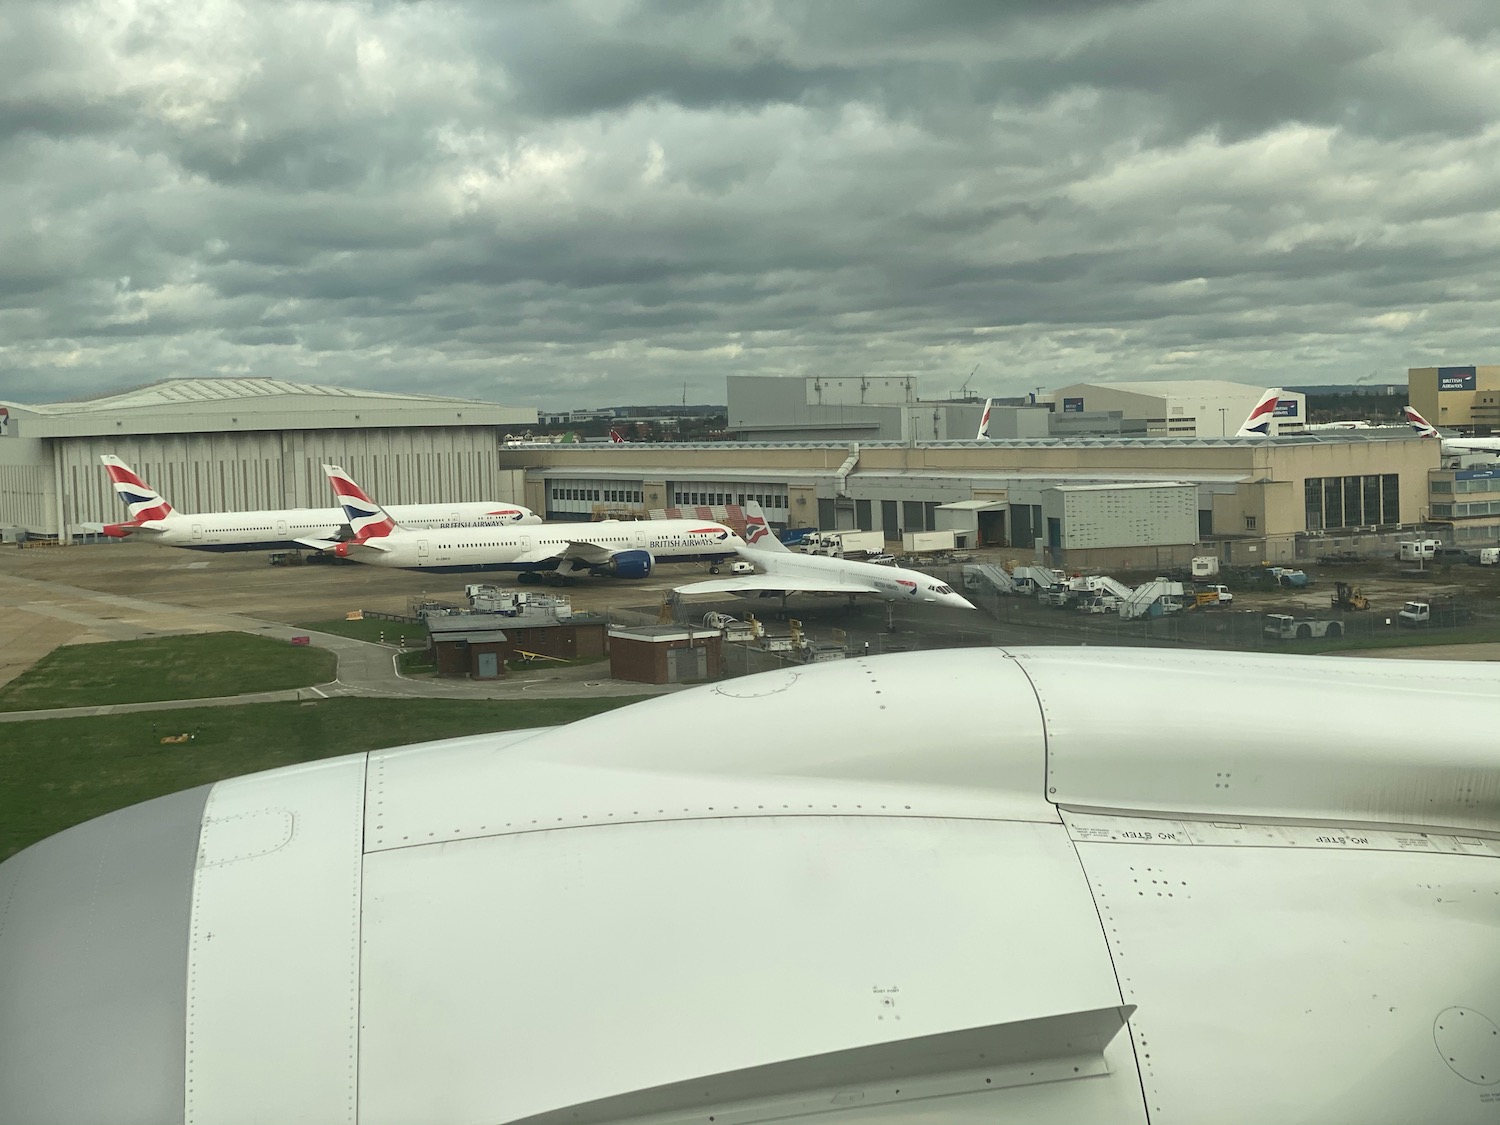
[529, 578]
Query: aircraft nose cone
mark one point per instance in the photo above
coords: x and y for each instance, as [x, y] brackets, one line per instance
[93, 967]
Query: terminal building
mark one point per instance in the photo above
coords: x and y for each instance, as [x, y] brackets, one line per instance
[1181, 407]
[214, 445]
[1466, 399]
[1087, 501]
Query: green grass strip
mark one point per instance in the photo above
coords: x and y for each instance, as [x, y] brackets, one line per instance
[58, 772]
[197, 666]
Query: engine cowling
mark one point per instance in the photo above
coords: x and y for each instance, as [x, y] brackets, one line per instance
[631, 564]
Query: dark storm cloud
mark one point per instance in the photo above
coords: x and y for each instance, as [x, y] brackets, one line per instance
[576, 203]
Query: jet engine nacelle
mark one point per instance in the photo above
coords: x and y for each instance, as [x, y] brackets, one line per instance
[631, 564]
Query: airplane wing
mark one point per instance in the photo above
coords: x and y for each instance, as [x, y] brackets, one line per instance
[775, 584]
[591, 553]
[326, 544]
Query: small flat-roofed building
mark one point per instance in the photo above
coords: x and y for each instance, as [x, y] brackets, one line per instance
[479, 644]
[665, 654]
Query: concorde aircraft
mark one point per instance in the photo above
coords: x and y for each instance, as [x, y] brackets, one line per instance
[155, 520]
[1055, 885]
[1452, 446]
[788, 572]
[620, 549]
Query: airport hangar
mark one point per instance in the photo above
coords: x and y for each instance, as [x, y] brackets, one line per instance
[1094, 501]
[215, 445]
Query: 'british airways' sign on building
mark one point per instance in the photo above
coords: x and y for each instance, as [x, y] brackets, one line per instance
[1455, 378]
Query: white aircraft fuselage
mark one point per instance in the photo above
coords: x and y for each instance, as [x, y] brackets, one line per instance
[281, 528]
[891, 583]
[631, 546]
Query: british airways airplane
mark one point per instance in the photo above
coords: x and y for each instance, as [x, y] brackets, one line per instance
[614, 548]
[155, 520]
[1451, 445]
[1052, 885]
[788, 572]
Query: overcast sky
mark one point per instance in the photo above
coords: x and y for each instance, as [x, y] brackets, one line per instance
[572, 204]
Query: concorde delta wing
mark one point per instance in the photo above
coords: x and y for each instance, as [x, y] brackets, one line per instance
[776, 584]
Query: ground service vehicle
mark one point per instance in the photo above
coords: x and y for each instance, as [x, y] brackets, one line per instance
[1346, 596]
[842, 544]
[1285, 627]
[1212, 595]
[1414, 550]
[1415, 613]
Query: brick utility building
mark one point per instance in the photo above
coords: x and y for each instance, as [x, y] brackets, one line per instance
[665, 654]
[478, 644]
[216, 445]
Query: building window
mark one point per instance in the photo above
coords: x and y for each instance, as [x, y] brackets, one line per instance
[1249, 523]
[1390, 498]
[1312, 502]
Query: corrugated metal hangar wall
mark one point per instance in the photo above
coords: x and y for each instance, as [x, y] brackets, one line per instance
[283, 469]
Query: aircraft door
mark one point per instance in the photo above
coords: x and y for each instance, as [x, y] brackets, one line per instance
[197, 533]
[281, 529]
[639, 537]
[422, 556]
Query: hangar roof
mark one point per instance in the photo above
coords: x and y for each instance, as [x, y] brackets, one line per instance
[212, 405]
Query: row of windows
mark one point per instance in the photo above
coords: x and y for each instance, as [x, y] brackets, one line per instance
[1473, 508]
[608, 495]
[767, 500]
[1469, 485]
[1354, 501]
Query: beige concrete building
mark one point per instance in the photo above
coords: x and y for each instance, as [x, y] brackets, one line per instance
[1181, 407]
[1460, 398]
[1253, 499]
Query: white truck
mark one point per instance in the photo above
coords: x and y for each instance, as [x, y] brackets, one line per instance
[1415, 613]
[1413, 550]
[844, 544]
[1205, 566]
[1285, 627]
[917, 542]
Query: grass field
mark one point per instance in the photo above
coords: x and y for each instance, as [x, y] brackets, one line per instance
[199, 666]
[59, 772]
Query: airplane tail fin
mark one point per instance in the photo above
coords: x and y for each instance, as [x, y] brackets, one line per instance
[616, 437]
[141, 500]
[758, 533]
[984, 421]
[1423, 427]
[367, 519]
[1258, 423]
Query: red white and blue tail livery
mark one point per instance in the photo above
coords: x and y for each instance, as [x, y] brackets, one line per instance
[984, 422]
[758, 533]
[1451, 446]
[367, 519]
[1423, 427]
[141, 500]
[1262, 415]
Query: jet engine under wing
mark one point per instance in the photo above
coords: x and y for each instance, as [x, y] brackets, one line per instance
[776, 584]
